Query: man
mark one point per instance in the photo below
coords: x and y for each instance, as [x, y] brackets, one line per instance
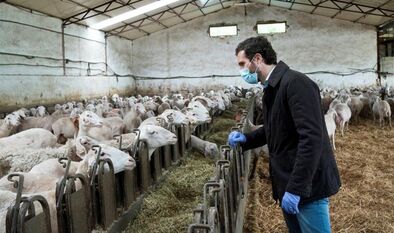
[303, 169]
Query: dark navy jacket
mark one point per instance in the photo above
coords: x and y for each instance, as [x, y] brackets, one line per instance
[301, 158]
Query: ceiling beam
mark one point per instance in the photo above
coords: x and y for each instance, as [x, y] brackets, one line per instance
[125, 25]
[187, 20]
[340, 11]
[174, 12]
[337, 7]
[316, 5]
[373, 9]
[86, 13]
[149, 18]
[199, 7]
[292, 4]
[161, 12]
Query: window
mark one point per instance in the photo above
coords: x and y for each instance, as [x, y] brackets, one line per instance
[271, 28]
[221, 31]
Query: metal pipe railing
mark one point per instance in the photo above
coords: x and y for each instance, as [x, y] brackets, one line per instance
[227, 188]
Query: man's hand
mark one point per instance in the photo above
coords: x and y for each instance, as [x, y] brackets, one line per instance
[236, 137]
[290, 203]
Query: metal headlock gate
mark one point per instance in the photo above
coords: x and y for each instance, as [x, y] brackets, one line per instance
[107, 200]
[223, 207]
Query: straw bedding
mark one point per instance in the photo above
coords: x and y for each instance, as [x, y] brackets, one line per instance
[365, 203]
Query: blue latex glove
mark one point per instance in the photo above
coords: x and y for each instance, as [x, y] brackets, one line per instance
[290, 203]
[236, 137]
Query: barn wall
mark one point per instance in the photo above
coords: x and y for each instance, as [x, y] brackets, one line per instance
[312, 43]
[31, 78]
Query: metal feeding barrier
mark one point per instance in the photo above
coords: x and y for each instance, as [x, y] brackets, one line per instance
[22, 217]
[106, 200]
[222, 210]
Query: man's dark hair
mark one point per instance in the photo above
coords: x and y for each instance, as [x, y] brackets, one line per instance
[258, 44]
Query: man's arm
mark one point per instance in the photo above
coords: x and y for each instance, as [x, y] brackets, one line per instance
[303, 101]
[255, 139]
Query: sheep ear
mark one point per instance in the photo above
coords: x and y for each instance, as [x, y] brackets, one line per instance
[75, 121]
[150, 130]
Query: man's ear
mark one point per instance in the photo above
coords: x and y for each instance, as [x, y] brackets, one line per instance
[259, 58]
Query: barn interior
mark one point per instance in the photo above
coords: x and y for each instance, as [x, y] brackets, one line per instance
[97, 52]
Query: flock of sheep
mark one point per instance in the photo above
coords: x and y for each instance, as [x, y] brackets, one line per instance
[345, 105]
[32, 140]
[341, 106]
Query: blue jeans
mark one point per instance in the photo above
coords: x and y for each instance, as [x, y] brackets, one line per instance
[314, 217]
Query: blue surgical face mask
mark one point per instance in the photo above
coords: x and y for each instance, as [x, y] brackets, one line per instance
[250, 78]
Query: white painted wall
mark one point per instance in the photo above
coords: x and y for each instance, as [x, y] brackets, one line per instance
[47, 90]
[25, 80]
[312, 43]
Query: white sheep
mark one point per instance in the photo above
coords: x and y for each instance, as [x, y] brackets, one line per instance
[208, 149]
[90, 124]
[390, 101]
[356, 105]
[33, 138]
[197, 110]
[41, 111]
[156, 137]
[151, 106]
[344, 114]
[9, 124]
[148, 114]
[8, 197]
[206, 102]
[116, 124]
[41, 122]
[23, 159]
[178, 101]
[121, 161]
[115, 99]
[66, 127]
[133, 117]
[159, 121]
[330, 119]
[162, 105]
[383, 110]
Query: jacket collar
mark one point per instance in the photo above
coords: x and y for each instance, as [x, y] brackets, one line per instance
[277, 73]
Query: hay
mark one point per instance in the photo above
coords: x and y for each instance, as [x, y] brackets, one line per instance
[221, 126]
[170, 207]
[365, 203]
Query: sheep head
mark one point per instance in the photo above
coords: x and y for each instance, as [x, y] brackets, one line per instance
[41, 111]
[156, 136]
[211, 150]
[140, 108]
[90, 119]
[12, 120]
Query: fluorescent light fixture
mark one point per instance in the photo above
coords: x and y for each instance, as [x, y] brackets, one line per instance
[132, 13]
[271, 28]
[216, 31]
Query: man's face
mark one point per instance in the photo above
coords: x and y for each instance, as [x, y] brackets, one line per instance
[244, 62]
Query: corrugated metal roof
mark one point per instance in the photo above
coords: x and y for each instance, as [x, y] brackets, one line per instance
[87, 12]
